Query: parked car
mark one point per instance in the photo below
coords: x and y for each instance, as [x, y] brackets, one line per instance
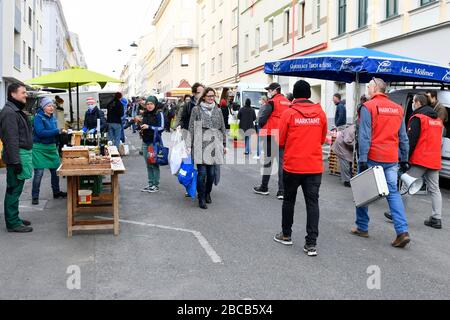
[405, 97]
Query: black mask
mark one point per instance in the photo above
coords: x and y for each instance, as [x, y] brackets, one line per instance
[18, 104]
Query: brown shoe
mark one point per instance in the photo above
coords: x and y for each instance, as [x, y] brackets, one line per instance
[402, 240]
[356, 232]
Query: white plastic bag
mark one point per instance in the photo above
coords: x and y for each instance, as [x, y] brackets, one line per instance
[178, 153]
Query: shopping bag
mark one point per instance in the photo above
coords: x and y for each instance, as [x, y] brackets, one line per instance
[151, 156]
[161, 152]
[177, 153]
[187, 177]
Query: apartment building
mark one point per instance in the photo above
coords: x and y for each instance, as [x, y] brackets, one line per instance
[21, 42]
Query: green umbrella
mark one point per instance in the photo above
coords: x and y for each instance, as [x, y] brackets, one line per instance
[70, 78]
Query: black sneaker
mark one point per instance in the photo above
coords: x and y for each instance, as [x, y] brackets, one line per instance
[60, 195]
[347, 184]
[280, 238]
[202, 204]
[280, 195]
[388, 216]
[311, 251]
[26, 223]
[433, 223]
[208, 199]
[21, 229]
[261, 190]
[35, 202]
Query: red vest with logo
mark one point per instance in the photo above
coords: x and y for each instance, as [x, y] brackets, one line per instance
[387, 117]
[428, 150]
[280, 104]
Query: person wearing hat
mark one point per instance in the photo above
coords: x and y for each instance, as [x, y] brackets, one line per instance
[16, 135]
[303, 130]
[152, 122]
[269, 123]
[114, 119]
[45, 150]
[92, 115]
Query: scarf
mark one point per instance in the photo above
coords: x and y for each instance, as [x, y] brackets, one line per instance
[18, 104]
[207, 108]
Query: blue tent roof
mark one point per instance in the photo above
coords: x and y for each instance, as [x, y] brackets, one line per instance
[344, 65]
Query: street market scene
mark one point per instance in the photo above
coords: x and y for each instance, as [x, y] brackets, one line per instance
[224, 150]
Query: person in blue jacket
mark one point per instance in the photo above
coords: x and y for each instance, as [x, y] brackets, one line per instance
[45, 150]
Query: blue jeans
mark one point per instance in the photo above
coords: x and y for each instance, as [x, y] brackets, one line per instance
[205, 180]
[394, 199]
[115, 133]
[247, 145]
[38, 174]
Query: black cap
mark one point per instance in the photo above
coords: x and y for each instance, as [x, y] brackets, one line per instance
[273, 86]
[302, 89]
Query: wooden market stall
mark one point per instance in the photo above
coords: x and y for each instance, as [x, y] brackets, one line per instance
[78, 163]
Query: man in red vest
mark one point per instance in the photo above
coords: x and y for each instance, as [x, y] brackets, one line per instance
[425, 142]
[269, 124]
[303, 130]
[382, 132]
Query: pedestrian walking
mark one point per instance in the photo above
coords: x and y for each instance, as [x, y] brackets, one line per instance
[225, 112]
[247, 118]
[303, 131]
[440, 109]
[114, 119]
[208, 143]
[197, 92]
[16, 136]
[124, 121]
[382, 132]
[340, 118]
[343, 147]
[45, 150]
[269, 122]
[91, 116]
[425, 141]
[152, 123]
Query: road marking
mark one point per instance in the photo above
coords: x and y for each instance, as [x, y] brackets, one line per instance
[201, 239]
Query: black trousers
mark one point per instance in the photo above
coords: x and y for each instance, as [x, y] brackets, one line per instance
[310, 184]
[272, 152]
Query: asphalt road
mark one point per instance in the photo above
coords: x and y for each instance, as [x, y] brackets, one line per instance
[170, 249]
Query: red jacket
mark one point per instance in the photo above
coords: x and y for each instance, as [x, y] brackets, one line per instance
[428, 149]
[387, 118]
[303, 130]
[271, 128]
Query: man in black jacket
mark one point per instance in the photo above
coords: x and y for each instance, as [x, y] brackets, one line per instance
[197, 91]
[16, 135]
[114, 119]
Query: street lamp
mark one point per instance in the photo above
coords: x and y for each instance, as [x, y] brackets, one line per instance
[134, 45]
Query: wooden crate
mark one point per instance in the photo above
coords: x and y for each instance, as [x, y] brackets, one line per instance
[70, 153]
[333, 161]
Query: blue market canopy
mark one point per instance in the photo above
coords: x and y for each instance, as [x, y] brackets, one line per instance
[360, 65]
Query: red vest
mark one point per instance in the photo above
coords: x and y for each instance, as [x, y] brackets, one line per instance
[428, 150]
[272, 126]
[387, 118]
[303, 129]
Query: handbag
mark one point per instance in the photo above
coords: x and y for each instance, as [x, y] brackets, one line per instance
[161, 152]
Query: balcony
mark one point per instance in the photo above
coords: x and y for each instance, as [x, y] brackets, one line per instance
[17, 60]
[18, 20]
[183, 43]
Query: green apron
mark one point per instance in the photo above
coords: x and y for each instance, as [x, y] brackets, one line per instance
[26, 159]
[45, 156]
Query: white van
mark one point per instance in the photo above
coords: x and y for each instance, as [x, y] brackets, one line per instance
[243, 91]
[405, 97]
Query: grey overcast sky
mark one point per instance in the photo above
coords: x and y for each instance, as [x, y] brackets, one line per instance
[104, 26]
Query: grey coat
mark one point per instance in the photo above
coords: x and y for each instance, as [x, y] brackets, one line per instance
[211, 132]
[15, 133]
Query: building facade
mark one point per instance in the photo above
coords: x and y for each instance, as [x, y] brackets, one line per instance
[21, 42]
[218, 42]
[176, 44]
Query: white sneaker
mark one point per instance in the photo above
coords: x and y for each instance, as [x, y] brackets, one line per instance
[153, 189]
[147, 188]
[256, 157]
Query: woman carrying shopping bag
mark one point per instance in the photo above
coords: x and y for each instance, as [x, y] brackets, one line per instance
[208, 142]
[152, 121]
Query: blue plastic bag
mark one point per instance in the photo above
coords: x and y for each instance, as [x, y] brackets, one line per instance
[187, 176]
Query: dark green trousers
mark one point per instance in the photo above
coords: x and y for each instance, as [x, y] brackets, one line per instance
[14, 188]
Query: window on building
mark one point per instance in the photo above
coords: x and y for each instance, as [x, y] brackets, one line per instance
[213, 34]
[271, 33]
[30, 57]
[40, 33]
[184, 60]
[30, 17]
[391, 8]
[220, 29]
[220, 62]
[203, 71]
[213, 65]
[301, 19]
[257, 40]
[362, 13]
[213, 5]
[235, 17]
[24, 12]
[424, 2]
[24, 52]
[203, 42]
[203, 15]
[342, 17]
[234, 55]
[287, 26]
[316, 15]
[246, 47]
